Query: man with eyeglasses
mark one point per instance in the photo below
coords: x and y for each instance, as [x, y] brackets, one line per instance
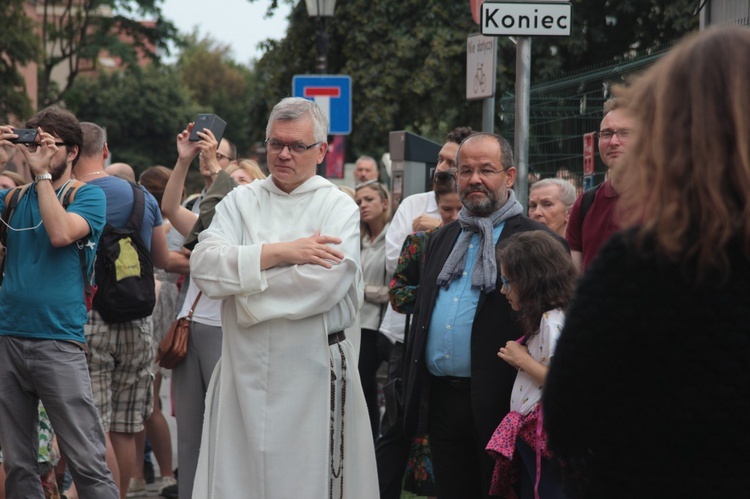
[455, 390]
[285, 412]
[42, 314]
[592, 219]
[418, 212]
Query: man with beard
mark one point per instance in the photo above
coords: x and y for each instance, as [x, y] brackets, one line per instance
[418, 212]
[42, 314]
[456, 389]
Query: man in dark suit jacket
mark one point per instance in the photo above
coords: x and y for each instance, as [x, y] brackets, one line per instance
[457, 390]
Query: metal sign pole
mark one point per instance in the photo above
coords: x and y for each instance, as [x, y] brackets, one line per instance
[488, 104]
[523, 90]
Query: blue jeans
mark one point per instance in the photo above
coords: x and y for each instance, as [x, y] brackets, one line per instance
[56, 373]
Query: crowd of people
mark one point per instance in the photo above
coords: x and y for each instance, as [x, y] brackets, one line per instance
[590, 346]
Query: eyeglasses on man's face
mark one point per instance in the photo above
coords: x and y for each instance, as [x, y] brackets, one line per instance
[607, 134]
[276, 146]
[220, 156]
[33, 146]
[467, 173]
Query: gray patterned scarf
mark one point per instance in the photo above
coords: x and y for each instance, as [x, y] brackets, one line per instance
[484, 276]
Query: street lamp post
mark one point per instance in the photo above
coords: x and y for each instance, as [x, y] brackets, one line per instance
[320, 10]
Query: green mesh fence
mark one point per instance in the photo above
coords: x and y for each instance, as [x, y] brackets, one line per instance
[562, 111]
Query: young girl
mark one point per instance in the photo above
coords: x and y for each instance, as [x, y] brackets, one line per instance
[538, 279]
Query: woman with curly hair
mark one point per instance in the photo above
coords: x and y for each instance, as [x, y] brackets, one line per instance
[538, 279]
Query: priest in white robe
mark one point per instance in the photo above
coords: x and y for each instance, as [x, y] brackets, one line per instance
[285, 413]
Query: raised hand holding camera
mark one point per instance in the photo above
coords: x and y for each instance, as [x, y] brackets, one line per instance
[39, 154]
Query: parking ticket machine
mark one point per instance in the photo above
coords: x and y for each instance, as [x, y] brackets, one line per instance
[413, 161]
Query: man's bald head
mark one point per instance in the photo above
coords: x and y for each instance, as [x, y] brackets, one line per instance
[122, 170]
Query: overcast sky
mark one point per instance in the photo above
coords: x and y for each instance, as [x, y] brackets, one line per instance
[239, 23]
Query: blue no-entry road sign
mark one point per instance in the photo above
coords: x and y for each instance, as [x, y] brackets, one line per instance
[334, 96]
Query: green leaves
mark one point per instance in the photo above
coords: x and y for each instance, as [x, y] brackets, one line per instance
[19, 47]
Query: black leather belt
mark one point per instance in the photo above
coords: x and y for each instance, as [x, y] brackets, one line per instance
[336, 337]
[453, 382]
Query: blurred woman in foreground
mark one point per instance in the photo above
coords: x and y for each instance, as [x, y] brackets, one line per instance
[648, 393]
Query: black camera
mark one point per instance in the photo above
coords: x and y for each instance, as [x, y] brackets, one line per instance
[25, 135]
[210, 121]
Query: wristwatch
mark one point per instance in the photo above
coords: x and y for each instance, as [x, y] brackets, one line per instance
[43, 176]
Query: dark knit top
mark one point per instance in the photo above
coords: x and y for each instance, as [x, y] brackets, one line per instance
[648, 394]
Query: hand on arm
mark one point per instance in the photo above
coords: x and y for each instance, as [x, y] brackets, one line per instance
[518, 356]
[424, 222]
[179, 262]
[376, 294]
[315, 250]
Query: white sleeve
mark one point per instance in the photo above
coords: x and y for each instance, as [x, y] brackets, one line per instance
[550, 328]
[223, 265]
[401, 226]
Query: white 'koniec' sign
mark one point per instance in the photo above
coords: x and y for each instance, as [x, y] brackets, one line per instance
[526, 19]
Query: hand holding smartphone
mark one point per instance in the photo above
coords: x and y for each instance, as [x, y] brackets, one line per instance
[210, 121]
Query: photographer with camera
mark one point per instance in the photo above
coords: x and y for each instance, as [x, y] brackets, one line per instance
[42, 312]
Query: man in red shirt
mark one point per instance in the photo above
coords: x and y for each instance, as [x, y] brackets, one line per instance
[587, 231]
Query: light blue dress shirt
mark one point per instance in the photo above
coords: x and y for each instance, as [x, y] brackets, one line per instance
[448, 350]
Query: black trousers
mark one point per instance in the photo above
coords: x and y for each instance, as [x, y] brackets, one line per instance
[392, 448]
[374, 349]
[463, 469]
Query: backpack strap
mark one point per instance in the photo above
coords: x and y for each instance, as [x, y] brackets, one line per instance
[11, 202]
[587, 201]
[67, 195]
[139, 205]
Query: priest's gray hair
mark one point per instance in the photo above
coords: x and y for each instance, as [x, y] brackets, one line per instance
[294, 108]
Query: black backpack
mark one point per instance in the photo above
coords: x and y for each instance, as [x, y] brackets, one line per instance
[124, 271]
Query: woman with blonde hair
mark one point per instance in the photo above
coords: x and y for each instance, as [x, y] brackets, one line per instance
[374, 204]
[648, 393]
[245, 171]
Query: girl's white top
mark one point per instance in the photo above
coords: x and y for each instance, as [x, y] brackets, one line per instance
[527, 392]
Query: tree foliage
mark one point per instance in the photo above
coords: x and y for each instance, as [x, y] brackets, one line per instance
[143, 110]
[75, 32]
[407, 59]
[18, 47]
[218, 85]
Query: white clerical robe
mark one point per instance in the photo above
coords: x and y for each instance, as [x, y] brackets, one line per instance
[267, 428]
